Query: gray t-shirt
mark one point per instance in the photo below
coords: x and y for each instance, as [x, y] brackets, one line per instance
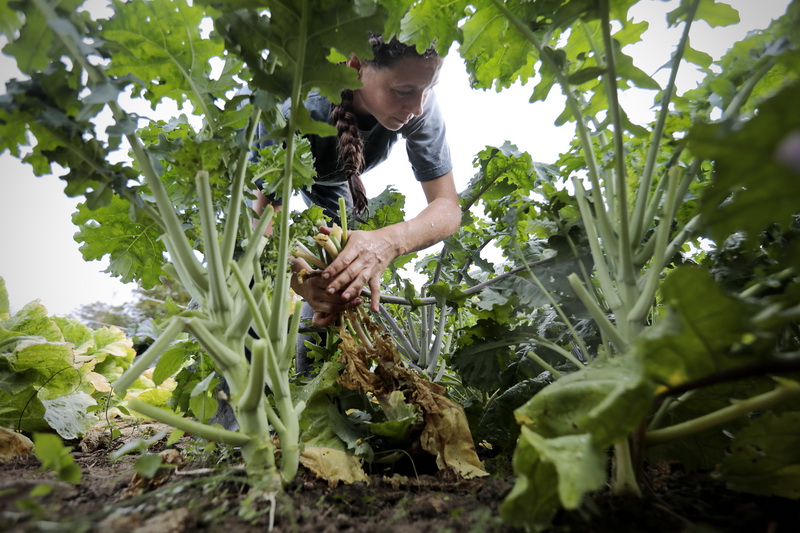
[426, 146]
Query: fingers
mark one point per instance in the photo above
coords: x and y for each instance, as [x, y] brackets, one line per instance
[340, 266]
[357, 254]
[361, 263]
[375, 293]
[322, 320]
[353, 289]
[299, 264]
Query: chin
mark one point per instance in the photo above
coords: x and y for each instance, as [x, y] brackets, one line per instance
[392, 124]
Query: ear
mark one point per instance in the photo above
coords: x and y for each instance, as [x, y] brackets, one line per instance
[355, 63]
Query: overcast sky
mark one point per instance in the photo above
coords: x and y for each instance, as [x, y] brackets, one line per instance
[40, 260]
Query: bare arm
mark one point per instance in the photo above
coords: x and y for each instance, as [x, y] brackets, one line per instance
[259, 204]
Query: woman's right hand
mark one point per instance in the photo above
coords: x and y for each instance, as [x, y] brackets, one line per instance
[327, 307]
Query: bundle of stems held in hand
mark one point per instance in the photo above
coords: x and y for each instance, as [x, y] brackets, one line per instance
[328, 247]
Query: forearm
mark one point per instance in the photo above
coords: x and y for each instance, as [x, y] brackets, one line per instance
[259, 204]
[440, 219]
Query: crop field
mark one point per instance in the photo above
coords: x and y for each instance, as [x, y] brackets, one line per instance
[626, 359]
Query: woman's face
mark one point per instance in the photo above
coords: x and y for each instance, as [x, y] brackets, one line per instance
[394, 95]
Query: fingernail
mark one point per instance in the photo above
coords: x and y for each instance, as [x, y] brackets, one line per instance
[346, 296]
[326, 275]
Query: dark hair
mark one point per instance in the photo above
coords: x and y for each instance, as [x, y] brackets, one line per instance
[343, 117]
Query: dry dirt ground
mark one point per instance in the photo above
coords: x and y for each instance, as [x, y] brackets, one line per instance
[200, 496]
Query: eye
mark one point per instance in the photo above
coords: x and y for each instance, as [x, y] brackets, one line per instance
[400, 92]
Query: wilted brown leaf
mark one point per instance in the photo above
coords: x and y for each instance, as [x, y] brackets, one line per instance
[333, 465]
[446, 432]
[13, 444]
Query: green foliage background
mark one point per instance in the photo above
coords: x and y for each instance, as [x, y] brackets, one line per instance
[648, 270]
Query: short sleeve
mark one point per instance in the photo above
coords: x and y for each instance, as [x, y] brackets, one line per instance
[426, 142]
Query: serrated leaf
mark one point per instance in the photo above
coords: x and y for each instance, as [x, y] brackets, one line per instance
[31, 47]
[161, 43]
[295, 38]
[134, 248]
[385, 209]
[426, 23]
[32, 320]
[715, 14]
[496, 54]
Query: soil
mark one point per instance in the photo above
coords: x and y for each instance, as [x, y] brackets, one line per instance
[196, 495]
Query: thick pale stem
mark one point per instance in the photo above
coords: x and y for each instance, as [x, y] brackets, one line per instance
[566, 354]
[399, 334]
[620, 191]
[285, 420]
[653, 275]
[280, 301]
[436, 349]
[290, 348]
[236, 201]
[413, 336]
[212, 433]
[219, 299]
[143, 362]
[601, 264]
[575, 336]
[600, 318]
[362, 335]
[222, 354]
[257, 241]
[424, 335]
[786, 390]
[343, 220]
[624, 476]
[254, 392]
[639, 227]
[252, 305]
[759, 286]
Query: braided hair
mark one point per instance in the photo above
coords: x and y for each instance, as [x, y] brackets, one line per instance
[343, 117]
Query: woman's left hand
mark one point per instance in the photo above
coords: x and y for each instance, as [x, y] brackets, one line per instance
[361, 263]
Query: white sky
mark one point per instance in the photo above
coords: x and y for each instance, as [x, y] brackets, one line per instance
[40, 260]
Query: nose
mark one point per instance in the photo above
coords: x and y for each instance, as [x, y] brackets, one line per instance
[415, 103]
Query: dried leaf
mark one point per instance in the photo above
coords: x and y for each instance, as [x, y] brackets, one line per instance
[445, 432]
[13, 444]
[333, 465]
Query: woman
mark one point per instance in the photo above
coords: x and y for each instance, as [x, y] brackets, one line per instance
[396, 99]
